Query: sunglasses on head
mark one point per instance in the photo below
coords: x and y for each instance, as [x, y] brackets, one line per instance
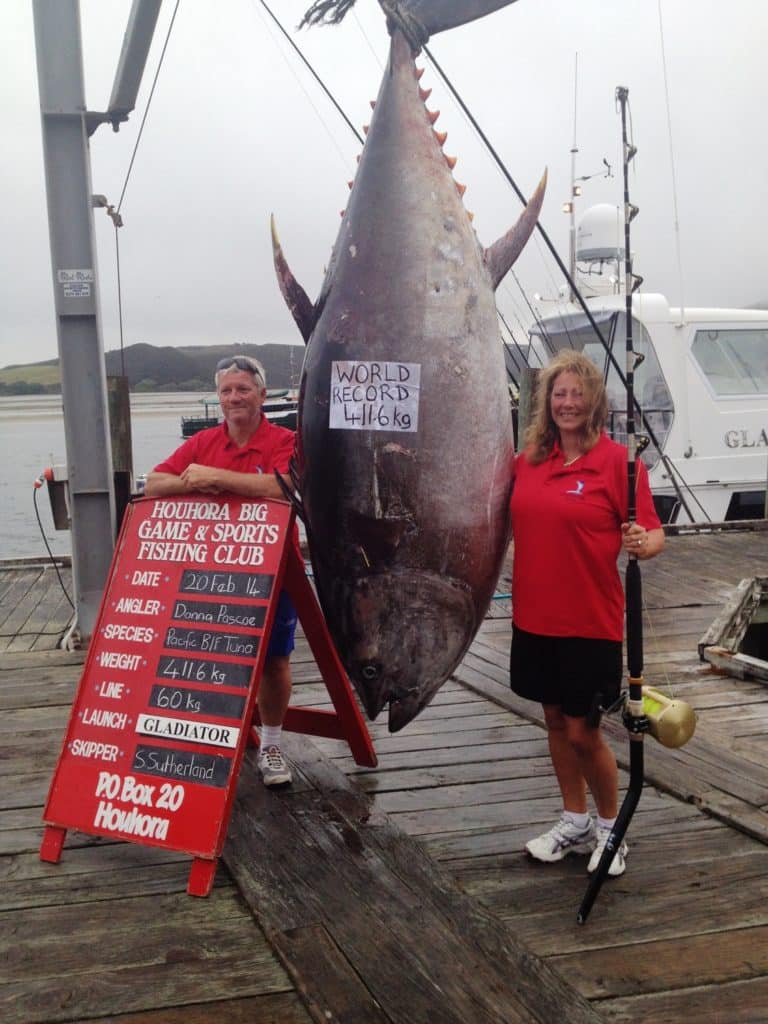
[242, 363]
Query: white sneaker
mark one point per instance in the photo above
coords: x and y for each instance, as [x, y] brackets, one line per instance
[618, 864]
[273, 767]
[562, 839]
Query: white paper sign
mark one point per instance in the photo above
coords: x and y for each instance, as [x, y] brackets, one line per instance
[374, 396]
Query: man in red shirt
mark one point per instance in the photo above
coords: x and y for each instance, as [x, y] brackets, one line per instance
[240, 456]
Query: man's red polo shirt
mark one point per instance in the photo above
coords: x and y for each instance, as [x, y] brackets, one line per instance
[268, 449]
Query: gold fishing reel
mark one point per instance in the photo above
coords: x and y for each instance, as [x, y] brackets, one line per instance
[671, 722]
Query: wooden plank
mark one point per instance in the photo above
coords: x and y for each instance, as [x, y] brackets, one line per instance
[712, 958]
[544, 809]
[505, 840]
[476, 754]
[698, 772]
[16, 591]
[282, 1008]
[29, 661]
[731, 894]
[454, 774]
[456, 797]
[337, 992]
[155, 951]
[395, 919]
[742, 1002]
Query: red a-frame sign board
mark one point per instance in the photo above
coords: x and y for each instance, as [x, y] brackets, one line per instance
[163, 711]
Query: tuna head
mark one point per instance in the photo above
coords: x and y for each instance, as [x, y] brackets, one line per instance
[405, 434]
[396, 659]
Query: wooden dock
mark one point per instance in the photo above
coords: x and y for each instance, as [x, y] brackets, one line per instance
[400, 894]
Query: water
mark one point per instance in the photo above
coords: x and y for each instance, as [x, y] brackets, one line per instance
[32, 438]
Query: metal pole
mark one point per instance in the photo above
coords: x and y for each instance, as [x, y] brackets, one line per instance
[572, 197]
[75, 285]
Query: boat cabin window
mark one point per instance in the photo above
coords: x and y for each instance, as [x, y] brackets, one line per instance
[734, 361]
[651, 391]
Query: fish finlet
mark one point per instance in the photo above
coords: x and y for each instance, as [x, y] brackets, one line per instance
[451, 160]
[433, 115]
[470, 215]
[461, 189]
[350, 184]
[441, 137]
[342, 212]
[425, 94]
[373, 104]
[419, 72]
[366, 129]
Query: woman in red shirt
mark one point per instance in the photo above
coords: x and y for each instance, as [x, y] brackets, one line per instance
[569, 512]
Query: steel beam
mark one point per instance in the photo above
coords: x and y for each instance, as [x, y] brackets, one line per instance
[136, 43]
[75, 284]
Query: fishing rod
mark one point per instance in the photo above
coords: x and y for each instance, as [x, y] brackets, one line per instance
[635, 720]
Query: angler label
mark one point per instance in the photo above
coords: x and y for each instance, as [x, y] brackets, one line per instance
[163, 709]
[374, 396]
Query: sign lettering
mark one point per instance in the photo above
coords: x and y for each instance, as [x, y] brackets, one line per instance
[163, 709]
[375, 396]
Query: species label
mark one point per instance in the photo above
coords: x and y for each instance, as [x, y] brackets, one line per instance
[374, 396]
[163, 710]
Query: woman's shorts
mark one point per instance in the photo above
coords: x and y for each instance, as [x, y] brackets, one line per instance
[281, 638]
[565, 671]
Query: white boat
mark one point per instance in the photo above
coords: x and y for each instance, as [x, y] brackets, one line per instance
[702, 385]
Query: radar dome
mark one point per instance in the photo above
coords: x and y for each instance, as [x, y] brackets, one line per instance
[600, 234]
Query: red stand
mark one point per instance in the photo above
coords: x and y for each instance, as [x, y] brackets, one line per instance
[164, 707]
[346, 722]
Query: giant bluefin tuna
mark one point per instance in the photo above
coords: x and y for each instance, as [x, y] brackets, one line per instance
[405, 433]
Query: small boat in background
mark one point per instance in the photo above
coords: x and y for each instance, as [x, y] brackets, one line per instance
[211, 417]
[281, 407]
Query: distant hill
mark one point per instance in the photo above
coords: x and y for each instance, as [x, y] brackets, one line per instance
[162, 368]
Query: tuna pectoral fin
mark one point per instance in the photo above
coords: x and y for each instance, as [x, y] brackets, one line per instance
[297, 300]
[503, 253]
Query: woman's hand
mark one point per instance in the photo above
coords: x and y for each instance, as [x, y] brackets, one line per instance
[639, 542]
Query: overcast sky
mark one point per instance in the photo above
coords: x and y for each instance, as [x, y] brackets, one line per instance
[237, 130]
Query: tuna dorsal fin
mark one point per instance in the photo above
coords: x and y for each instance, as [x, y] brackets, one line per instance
[297, 300]
[502, 254]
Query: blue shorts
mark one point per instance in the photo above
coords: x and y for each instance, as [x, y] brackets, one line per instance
[281, 637]
[569, 672]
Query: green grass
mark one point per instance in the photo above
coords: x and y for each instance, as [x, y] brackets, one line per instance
[37, 373]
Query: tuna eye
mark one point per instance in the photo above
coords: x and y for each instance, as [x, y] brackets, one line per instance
[370, 671]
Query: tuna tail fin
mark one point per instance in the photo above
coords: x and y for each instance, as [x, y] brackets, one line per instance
[297, 300]
[418, 18]
[500, 256]
[439, 15]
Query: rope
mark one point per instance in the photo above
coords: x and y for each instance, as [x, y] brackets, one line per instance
[314, 74]
[119, 300]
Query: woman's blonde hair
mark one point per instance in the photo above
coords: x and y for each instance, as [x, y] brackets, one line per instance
[541, 434]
